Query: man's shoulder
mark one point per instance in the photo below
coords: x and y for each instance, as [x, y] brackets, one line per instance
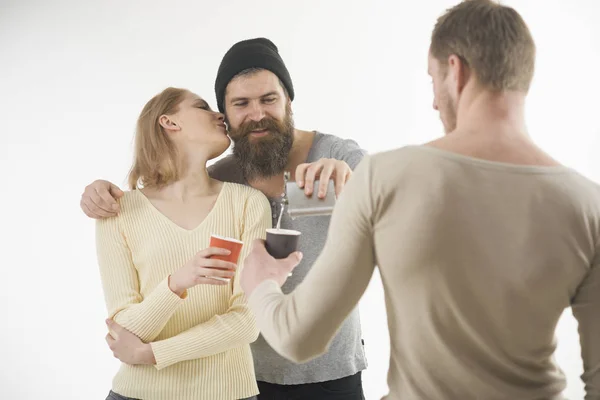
[388, 167]
[328, 141]
[406, 153]
[226, 170]
[332, 146]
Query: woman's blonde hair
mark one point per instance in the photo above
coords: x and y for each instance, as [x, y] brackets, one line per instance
[155, 162]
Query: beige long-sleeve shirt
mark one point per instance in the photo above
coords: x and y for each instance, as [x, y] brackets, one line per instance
[478, 259]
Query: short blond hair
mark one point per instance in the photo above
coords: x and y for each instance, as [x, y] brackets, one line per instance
[155, 161]
[492, 39]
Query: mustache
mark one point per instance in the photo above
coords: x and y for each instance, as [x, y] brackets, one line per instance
[264, 124]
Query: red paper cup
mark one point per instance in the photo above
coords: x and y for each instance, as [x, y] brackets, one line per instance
[233, 245]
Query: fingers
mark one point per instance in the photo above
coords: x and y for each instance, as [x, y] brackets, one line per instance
[110, 341]
[300, 172]
[326, 175]
[97, 212]
[105, 200]
[213, 251]
[341, 182]
[111, 344]
[342, 174]
[212, 281]
[215, 263]
[86, 210]
[92, 210]
[292, 260]
[94, 204]
[115, 191]
[339, 186]
[312, 173]
[324, 170]
[341, 177]
[208, 268]
[208, 272]
[347, 175]
[113, 326]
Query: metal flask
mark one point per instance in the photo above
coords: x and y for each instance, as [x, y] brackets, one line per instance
[298, 204]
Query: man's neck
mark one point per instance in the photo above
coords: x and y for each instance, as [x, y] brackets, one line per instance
[274, 186]
[492, 127]
[493, 114]
[303, 141]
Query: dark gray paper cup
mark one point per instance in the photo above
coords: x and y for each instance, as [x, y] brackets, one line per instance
[281, 243]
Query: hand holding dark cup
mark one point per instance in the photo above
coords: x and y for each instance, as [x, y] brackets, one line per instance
[281, 243]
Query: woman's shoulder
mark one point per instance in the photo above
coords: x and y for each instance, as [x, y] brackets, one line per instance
[244, 191]
[241, 197]
[130, 204]
[131, 200]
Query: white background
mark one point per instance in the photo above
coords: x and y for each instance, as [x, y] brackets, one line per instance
[75, 74]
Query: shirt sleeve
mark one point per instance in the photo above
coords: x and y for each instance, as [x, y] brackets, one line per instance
[144, 317]
[586, 309]
[300, 326]
[237, 326]
[349, 151]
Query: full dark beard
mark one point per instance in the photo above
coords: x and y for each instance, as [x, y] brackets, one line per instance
[267, 156]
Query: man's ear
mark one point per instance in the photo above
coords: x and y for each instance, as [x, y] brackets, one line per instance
[460, 73]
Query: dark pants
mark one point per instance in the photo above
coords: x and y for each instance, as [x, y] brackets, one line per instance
[115, 396]
[348, 388]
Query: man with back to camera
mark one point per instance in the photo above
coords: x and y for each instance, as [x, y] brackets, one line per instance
[481, 238]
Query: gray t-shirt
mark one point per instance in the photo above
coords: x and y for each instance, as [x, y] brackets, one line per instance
[346, 354]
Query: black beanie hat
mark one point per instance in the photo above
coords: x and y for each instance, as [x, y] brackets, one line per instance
[251, 53]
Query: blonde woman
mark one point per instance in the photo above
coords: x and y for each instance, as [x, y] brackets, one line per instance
[156, 267]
